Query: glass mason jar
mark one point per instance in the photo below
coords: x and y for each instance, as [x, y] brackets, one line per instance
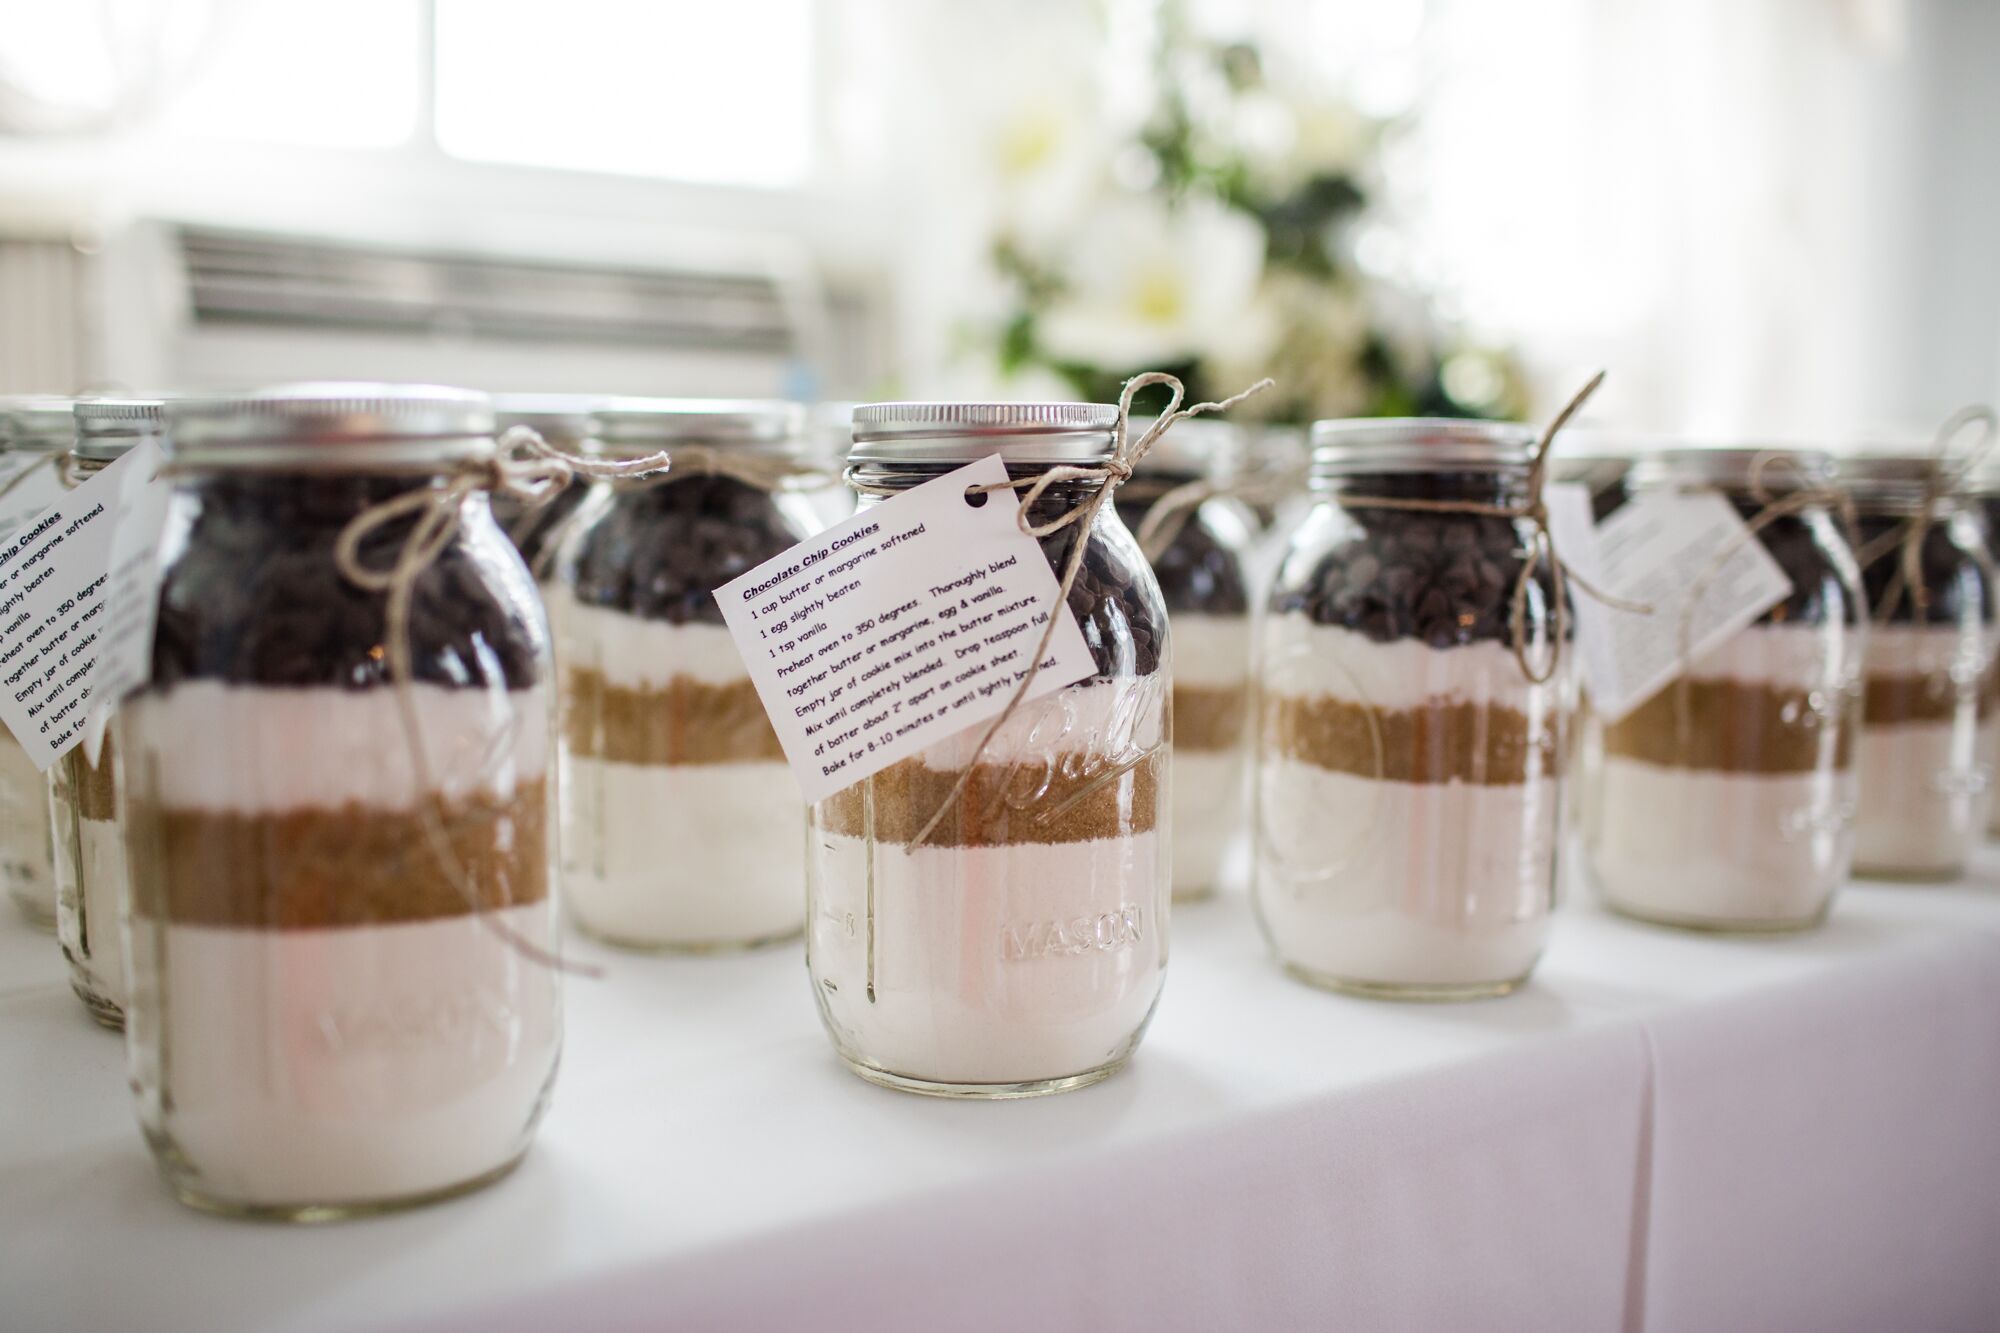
[1408, 772]
[83, 785]
[683, 827]
[1202, 568]
[1727, 800]
[1602, 466]
[39, 433]
[1925, 759]
[1020, 948]
[562, 419]
[341, 992]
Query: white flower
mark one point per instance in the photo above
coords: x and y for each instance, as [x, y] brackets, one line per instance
[1150, 285]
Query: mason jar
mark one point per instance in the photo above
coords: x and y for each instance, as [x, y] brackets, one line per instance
[1926, 760]
[1727, 800]
[683, 826]
[563, 420]
[1602, 465]
[342, 992]
[38, 433]
[83, 785]
[1201, 558]
[1408, 769]
[1020, 946]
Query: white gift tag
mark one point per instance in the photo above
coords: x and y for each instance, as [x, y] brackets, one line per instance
[133, 594]
[55, 623]
[1654, 551]
[908, 623]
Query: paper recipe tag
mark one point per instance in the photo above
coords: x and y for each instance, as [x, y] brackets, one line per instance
[902, 626]
[132, 596]
[54, 612]
[1654, 550]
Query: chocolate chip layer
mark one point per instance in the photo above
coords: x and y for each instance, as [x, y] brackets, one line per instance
[1443, 578]
[1950, 561]
[251, 593]
[1198, 571]
[662, 550]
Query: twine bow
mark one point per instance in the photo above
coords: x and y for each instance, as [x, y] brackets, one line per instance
[525, 466]
[1542, 546]
[1109, 475]
[1940, 481]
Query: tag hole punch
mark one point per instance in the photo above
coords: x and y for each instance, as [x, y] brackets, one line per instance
[975, 498]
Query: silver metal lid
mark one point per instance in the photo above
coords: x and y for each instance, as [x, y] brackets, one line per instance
[107, 428]
[645, 425]
[557, 416]
[1419, 444]
[962, 432]
[337, 424]
[1776, 467]
[1895, 477]
[39, 423]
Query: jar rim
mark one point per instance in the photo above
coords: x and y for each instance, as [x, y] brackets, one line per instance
[109, 428]
[644, 425]
[948, 432]
[333, 424]
[1344, 446]
[1735, 467]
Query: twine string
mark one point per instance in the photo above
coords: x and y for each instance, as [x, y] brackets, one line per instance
[1541, 547]
[1802, 494]
[1940, 481]
[528, 468]
[1126, 451]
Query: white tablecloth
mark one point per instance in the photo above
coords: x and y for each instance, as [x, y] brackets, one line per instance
[1662, 1132]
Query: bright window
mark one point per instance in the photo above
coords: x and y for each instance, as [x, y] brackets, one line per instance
[308, 72]
[718, 93]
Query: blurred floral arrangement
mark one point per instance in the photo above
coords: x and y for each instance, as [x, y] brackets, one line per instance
[1218, 240]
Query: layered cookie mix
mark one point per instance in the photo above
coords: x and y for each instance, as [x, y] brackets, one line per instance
[337, 996]
[684, 827]
[1727, 800]
[1020, 946]
[1926, 757]
[1408, 771]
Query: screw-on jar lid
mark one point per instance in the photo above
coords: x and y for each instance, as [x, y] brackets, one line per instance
[646, 425]
[338, 425]
[962, 432]
[107, 428]
[557, 416]
[1896, 477]
[1777, 467]
[1418, 444]
[39, 423]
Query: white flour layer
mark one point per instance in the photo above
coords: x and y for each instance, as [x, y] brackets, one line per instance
[1208, 814]
[1925, 798]
[1210, 652]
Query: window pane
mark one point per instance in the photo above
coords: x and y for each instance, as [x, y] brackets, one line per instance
[305, 72]
[718, 92]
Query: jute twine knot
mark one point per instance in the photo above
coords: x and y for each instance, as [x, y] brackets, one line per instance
[525, 466]
[1126, 451]
[1541, 547]
[1942, 479]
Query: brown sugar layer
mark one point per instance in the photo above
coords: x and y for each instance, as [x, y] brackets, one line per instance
[1733, 726]
[683, 722]
[1209, 718]
[95, 790]
[312, 868]
[1448, 740]
[1025, 803]
[1892, 699]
